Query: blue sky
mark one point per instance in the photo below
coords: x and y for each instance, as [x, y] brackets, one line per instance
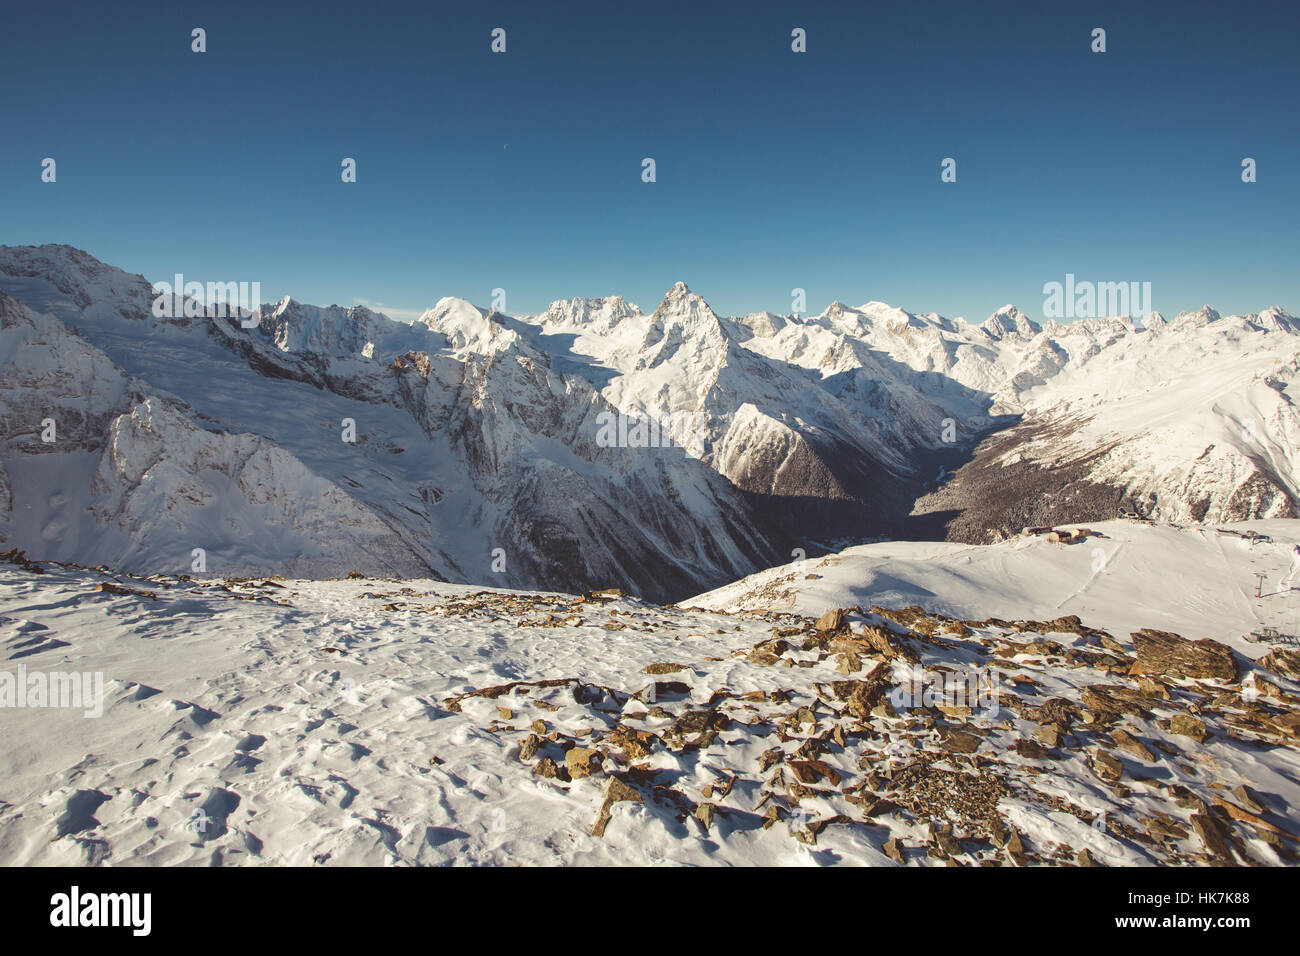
[775, 170]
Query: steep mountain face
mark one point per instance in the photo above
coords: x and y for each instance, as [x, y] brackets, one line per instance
[595, 445]
[1191, 420]
[452, 445]
[823, 436]
[96, 469]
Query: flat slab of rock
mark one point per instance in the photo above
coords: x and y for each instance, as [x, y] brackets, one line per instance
[1166, 654]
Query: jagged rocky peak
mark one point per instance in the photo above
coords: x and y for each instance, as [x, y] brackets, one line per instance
[680, 301]
[1274, 318]
[595, 315]
[1009, 320]
[1201, 317]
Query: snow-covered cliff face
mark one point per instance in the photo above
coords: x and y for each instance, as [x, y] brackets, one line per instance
[1190, 420]
[481, 447]
[96, 469]
[321, 440]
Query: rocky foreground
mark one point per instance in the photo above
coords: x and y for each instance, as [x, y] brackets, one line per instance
[1132, 719]
[414, 722]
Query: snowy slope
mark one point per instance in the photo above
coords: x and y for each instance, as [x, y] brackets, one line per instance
[1196, 581]
[327, 723]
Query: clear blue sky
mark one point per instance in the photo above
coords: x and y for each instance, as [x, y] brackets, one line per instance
[775, 169]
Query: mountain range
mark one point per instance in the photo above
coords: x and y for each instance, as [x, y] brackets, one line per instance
[475, 447]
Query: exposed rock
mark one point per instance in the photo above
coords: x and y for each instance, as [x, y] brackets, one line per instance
[665, 668]
[847, 662]
[1214, 836]
[1049, 735]
[1166, 654]
[1108, 767]
[614, 791]
[832, 620]
[1031, 749]
[1188, 726]
[1126, 741]
[1248, 799]
[1055, 710]
[959, 741]
[811, 771]
[582, 762]
[1282, 661]
[889, 645]
[528, 749]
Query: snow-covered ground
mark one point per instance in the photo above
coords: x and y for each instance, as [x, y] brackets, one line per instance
[1199, 581]
[322, 722]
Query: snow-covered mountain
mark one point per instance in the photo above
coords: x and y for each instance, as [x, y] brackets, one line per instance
[483, 450]
[472, 459]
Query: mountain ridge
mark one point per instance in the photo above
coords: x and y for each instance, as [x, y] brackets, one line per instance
[479, 431]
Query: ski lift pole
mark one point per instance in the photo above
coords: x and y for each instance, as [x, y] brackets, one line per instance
[1259, 587]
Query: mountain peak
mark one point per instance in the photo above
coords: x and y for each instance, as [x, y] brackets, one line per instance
[1009, 320]
[1201, 317]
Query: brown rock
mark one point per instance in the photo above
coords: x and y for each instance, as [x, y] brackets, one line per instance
[1237, 813]
[615, 790]
[1108, 767]
[1055, 710]
[998, 831]
[1031, 749]
[664, 668]
[846, 662]
[1049, 735]
[1111, 644]
[1188, 726]
[1153, 688]
[1126, 741]
[582, 762]
[894, 850]
[889, 645]
[1282, 661]
[1248, 799]
[528, 749]
[959, 741]
[811, 771]
[1214, 836]
[1166, 654]
[831, 620]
